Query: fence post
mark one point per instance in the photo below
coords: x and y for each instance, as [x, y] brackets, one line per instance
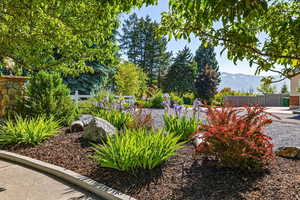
[76, 97]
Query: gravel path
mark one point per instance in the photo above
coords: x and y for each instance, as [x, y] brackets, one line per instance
[285, 132]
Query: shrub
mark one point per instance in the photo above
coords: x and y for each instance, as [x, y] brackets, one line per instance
[141, 119]
[105, 97]
[130, 79]
[188, 98]
[120, 120]
[28, 131]
[136, 149]
[157, 100]
[176, 99]
[47, 95]
[181, 126]
[218, 99]
[237, 140]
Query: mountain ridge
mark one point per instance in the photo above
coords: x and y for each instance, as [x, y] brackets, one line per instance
[246, 82]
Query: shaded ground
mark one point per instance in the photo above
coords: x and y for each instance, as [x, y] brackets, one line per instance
[181, 177]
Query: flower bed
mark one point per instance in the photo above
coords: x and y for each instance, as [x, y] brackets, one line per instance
[180, 177]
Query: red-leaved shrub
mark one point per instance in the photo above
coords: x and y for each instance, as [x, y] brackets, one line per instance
[236, 137]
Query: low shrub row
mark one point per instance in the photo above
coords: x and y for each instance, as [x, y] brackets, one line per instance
[137, 149]
[30, 131]
[156, 101]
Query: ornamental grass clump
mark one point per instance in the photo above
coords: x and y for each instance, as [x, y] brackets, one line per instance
[180, 126]
[119, 119]
[236, 137]
[135, 150]
[30, 131]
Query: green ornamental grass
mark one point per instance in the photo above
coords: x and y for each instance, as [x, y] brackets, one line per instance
[180, 126]
[28, 131]
[120, 120]
[136, 149]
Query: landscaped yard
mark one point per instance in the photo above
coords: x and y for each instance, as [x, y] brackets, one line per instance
[184, 176]
[145, 104]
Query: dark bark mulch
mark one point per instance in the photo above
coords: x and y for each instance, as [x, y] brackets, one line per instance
[181, 177]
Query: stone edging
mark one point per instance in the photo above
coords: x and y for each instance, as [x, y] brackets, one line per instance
[83, 182]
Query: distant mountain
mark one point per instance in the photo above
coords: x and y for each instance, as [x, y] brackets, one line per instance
[245, 82]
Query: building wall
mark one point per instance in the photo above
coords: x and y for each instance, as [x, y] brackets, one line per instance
[295, 85]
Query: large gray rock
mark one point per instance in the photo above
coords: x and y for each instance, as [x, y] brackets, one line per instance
[98, 130]
[86, 119]
[77, 126]
[288, 152]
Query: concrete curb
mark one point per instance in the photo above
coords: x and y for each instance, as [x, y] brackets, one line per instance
[83, 182]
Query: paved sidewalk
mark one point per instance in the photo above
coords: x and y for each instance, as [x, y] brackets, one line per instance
[280, 110]
[21, 183]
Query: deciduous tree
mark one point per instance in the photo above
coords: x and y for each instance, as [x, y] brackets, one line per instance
[33, 32]
[264, 32]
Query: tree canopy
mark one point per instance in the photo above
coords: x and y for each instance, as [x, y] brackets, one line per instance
[181, 74]
[32, 33]
[144, 47]
[208, 76]
[239, 27]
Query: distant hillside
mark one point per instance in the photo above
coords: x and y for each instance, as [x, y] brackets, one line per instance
[245, 82]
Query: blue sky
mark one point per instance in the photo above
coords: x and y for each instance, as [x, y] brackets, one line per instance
[225, 64]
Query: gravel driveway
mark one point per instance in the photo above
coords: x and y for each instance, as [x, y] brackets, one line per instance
[285, 132]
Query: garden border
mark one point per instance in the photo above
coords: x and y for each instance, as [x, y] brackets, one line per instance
[69, 176]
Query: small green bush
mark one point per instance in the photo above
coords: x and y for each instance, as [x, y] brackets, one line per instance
[218, 99]
[86, 107]
[176, 99]
[28, 131]
[120, 120]
[47, 95]
[157, 100]
[136, 149]
[188, 98]
[180, 126]
[105, 97]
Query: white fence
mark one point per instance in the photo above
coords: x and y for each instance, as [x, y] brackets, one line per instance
[77, 97]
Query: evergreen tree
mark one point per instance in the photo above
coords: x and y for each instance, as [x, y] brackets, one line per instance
[181, 74]
[284, 89]
[85, 83]
[208, 76]
[144, 48]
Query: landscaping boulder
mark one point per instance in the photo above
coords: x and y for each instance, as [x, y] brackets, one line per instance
[98, 129]
[289, 152]
[77, 126]
[196, 140]
[86, 119]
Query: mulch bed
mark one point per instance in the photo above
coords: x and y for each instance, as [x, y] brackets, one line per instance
[182, 177]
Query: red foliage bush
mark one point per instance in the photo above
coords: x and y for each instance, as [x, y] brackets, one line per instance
[236, 137]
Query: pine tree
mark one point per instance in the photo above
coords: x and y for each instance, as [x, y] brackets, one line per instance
[181, 74]
[208, 76]
[284, 89]
[144, 47]
[85, 83]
